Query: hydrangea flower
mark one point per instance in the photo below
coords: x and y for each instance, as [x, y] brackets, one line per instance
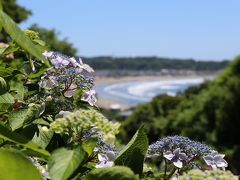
[67, 76]
[177, 157]
[85, 66]
[179, 150]
[170, 143]
[106, 160]
[90, 97]
[215, 161]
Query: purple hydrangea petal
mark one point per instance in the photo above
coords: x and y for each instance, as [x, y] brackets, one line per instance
[168, 155]
[183, 156]
[178, 163]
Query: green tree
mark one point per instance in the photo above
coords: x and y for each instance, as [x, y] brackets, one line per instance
[16, 12]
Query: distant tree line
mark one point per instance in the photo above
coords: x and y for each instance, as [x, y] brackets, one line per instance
[153, 64]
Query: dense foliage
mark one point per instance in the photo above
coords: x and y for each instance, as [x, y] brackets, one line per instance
[153, 64]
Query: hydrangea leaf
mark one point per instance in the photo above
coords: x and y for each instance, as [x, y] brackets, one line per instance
[20, 38]
[13, 165]
[17, 118]
[89, 145]
[6, 101]
[63, 162]
[116, 173]
[17, 138]
[42, 137]
[134, 152]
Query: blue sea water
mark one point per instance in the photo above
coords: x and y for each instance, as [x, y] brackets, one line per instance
[135, 92]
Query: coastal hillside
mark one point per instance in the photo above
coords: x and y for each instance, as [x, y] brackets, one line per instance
[209, 113]
[152, 64]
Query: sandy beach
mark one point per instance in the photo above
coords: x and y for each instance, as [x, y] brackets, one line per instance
[101, 80]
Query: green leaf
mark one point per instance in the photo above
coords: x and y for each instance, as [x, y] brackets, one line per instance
[132, 155]
[8, 72]
[8, 135]
[4, 86]
[19, 117]
[16, 118]
[39, 73]
[20, 38]
[2, 49]
[40, 42]
[42, 137]
[89, 145]
[115, 173]
[63, 162]
[14, 165]
[6, 101]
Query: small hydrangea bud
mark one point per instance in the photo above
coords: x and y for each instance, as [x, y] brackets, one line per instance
[31, 34]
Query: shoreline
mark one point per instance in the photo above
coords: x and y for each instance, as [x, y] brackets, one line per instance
[105, 80]
[106, 103]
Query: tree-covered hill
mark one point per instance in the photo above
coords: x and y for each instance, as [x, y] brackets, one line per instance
[209, 113]
[153, 64]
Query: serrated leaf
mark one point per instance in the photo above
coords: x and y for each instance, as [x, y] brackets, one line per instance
[19, 117]
[8, 135]
[13, 165]
[132, 155]
[63, 162]
[42, 138]
[115, 173]
[20, 38]
[6, 101]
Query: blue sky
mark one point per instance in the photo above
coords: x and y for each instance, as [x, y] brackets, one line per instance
[203, 29]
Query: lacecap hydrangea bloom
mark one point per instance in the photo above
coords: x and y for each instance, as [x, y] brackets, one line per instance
[181, 151]
[66, 76]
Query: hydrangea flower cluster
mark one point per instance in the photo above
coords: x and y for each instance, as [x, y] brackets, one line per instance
[66, 76]
[182, 150]
[85, 123]
[170, 143]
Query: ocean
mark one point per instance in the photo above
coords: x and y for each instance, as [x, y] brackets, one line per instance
[136, 92]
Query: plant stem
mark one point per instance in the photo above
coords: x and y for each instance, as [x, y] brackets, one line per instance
[171, 173]
[165, 169]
